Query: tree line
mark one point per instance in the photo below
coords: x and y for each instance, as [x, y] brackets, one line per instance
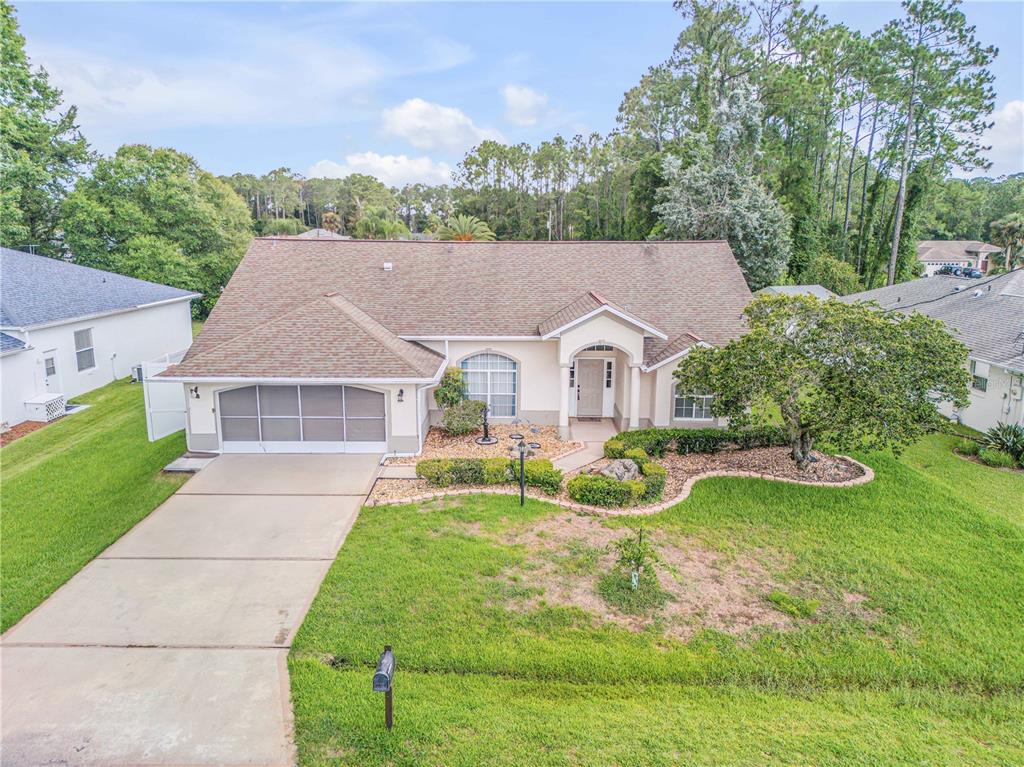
[819, 153]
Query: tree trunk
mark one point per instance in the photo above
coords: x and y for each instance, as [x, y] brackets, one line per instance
[801, 449]
[849, 174]
[901, 194]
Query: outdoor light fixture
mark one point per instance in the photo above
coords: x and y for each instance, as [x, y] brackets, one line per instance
[523, 447]
[487, 439]
[382, 680]
[194, 391]
[401, 395]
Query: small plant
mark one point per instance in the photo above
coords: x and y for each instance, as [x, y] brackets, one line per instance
[614, 448]
[598, 490]
[796, 606]
[1008, 437]
[437, 471]
[467, 471]
[637, 455]
[636, 555]
[452, 388]
[967, 447]
[464, 417]
[997, 459]
[496, 470]
[539, 473]
[654, 481]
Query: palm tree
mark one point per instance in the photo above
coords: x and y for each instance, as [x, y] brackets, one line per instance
[1008, 233]
[466, 228]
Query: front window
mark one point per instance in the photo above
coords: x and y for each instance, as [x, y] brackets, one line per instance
[84, 352]
[491, 378]
[694, 406]
[979, 376]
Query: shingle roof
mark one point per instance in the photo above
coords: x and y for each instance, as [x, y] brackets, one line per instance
[676, 345]
[581, 307]
[437, 289]
[986, 314]
[328, 337]
[36, 290]
[818, 291]
[953, 250]
[9, 343]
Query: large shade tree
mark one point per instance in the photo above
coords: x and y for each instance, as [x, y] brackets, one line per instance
[851, 374]
[156, 215]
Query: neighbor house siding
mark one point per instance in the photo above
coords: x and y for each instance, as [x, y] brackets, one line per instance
[997, 404]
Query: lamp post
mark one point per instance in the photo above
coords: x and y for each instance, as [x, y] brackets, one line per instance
[523, 446]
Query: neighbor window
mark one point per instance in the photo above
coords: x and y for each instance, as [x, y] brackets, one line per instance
[84, 353]
[491, 378]
[694, 406]
[979, 375]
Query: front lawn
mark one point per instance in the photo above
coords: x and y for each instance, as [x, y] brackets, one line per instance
[915, 656]
[74, 487]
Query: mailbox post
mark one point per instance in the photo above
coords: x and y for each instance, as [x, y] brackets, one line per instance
[383, 678]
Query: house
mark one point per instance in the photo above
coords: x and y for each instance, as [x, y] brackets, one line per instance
[322, 234]
[67, 329]
[330, 346]
[987, 315]
[935, 254]
[818, 291]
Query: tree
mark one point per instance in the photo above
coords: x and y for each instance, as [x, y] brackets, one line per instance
[720, 196]
[944, 89]
[838, 276]
[1008, 233]
[849, 373]
[41, 148]
[467, 229]
[150, 213]
[379, 223]
[331, 221]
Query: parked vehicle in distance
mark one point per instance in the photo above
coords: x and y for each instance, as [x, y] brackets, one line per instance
[974, 273]
[955, 271]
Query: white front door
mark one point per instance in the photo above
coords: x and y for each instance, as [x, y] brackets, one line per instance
[50, 371]
[589, 387]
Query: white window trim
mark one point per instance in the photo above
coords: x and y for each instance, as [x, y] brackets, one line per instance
[488, 375]
[978, 377]
[90, 348]
[695, 396]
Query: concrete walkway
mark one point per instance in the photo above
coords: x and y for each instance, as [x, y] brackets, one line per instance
[170, 647]
[593, 435]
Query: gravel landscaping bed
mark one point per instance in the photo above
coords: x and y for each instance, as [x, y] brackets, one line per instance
[440, 444]
[769, 462]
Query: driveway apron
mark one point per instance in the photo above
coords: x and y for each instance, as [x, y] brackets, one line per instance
[170, 647]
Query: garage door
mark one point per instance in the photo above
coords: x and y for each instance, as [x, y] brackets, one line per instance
[302, 419]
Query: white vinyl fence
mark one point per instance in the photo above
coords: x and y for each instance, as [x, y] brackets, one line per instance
[165, 400]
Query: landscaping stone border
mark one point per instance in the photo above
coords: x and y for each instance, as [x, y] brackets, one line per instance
[632, 511]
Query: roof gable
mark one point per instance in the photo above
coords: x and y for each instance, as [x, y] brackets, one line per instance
[590, 304]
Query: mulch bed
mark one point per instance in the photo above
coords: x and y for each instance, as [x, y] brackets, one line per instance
[16, 432]
[440, 444]
[772, 462]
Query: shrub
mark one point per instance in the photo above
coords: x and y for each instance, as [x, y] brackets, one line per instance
[464, 417]
[451, 389]
[759, 436]
[437, 471]
[967, 447]
[598, 490]
[997, 459]
[496, 471]
[654, 481]
[1008, 437]
[701, 440]
[636, 489]
[539, 473]
[637, 455]
[467, 471]
[796, 606]
[614, 448]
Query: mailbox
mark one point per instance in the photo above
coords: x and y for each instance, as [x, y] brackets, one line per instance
[382, 677]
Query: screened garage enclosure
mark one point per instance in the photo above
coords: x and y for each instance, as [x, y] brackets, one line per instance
[302, 419]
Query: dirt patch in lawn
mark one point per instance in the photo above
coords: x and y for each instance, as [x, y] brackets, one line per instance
[567, 555]
[440, 444]
[20, 430]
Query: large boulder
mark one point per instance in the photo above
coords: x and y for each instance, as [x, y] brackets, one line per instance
[622, 469]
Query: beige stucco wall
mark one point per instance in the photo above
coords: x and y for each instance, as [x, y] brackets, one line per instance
[602, 329]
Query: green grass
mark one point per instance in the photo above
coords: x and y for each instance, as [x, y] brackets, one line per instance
[74, 487]
[931, 673]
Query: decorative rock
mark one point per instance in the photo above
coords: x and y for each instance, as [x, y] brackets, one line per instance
[622, 469]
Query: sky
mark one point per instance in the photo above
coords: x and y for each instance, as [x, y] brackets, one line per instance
[399, 91]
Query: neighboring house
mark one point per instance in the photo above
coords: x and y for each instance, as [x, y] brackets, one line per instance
[987, 315]
[67, 329]
[818, 291]
[935, 254]
[327, 346]
[322, 234]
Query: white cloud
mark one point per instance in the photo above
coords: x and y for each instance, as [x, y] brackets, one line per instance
[1006, 138]
[431, 126]
[523, 106]
[393, 169]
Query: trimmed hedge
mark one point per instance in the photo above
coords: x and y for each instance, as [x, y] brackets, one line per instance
[654, 481]
[655, 442]
[442, 472]
[599, 490]
[463, 418]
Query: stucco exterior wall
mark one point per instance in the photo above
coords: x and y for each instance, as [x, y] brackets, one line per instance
[1000, 403]
[119, 342]
[602, 329]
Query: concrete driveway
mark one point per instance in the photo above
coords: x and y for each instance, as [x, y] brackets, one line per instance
[170, 647]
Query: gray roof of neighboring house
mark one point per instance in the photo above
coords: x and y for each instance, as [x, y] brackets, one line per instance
[985, 314]
[9, 343]
[953, 250]
[37, 290]
[819, 291]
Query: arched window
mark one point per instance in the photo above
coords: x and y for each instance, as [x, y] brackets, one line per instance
[491, 378]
